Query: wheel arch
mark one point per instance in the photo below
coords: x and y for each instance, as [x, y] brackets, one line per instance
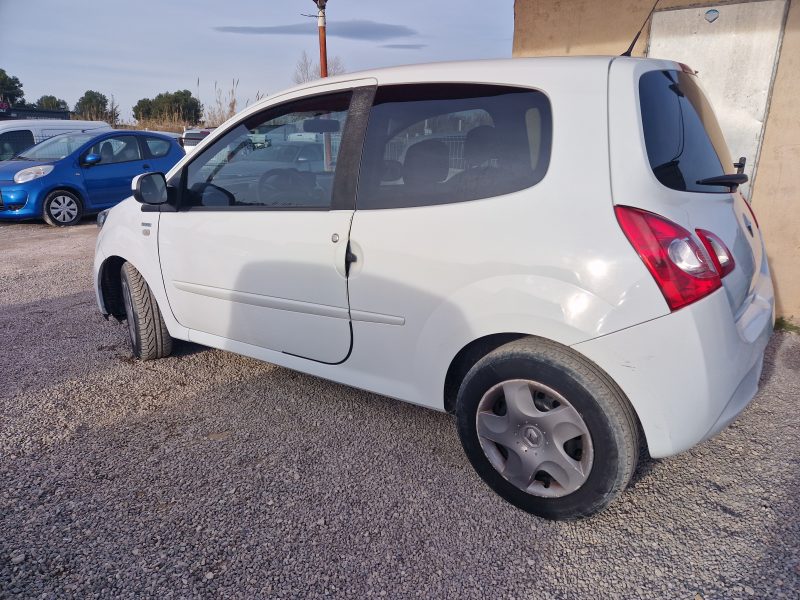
[474, 351]
[109, 284]
[66, 187]
[466, 358]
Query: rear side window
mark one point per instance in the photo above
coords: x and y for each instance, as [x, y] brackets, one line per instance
[442, 143]
[157, 147]
[14, 142]
[683, 139]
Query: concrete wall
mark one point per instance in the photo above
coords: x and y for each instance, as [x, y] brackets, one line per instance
[573, 27]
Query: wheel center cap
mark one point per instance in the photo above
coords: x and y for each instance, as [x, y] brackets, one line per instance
[532, 436]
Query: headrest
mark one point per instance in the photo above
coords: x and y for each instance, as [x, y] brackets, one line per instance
[426, 162]
[480, 145]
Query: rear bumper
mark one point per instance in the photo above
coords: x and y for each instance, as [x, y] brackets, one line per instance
[690, 373]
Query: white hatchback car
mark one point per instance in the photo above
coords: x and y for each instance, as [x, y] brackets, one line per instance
[553, 249]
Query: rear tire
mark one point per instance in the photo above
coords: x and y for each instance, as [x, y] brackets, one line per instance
[547, 430]
[147, 331]
[62, 209]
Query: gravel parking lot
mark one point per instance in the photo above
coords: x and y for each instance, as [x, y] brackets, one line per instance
[209, 474]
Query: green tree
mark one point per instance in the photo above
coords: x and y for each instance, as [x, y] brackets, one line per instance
[143, 109]
[169, 106]
[11, 89]
[92, 106]
[48, 102]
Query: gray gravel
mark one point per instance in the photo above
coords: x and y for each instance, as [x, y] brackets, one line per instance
[208, 474]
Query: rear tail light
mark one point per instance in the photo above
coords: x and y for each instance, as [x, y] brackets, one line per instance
[683, 270]
[720, 255]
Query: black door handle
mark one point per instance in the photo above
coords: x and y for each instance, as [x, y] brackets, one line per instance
[349, 259]
[145, 166]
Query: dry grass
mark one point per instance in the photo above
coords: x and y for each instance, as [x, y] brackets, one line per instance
[224, 107]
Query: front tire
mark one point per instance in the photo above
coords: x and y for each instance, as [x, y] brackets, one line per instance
[62, 209]
[147, 331]
[547, 430]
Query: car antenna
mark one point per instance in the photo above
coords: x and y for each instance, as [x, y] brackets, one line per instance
[638, 33]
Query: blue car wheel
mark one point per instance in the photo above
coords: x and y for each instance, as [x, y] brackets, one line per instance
[62, 208]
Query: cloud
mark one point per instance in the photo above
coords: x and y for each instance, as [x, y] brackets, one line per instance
[354, 29]
[404, 46]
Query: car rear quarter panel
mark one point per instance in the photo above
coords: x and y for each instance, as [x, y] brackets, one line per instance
[549, 261]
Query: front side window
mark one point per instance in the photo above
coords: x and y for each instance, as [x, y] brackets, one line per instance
[443, 143]
[291, 167]
[683, 139]
[14, 142]
[117, 149]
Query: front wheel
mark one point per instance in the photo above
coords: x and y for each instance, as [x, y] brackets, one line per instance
[147, 331]
[547, 430]
[62, 208]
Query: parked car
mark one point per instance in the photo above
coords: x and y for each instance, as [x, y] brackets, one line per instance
[19, 135]
[70, 175]
[583, 273]
[192, 137]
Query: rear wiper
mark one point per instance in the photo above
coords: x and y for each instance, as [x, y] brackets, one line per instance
[731, 180]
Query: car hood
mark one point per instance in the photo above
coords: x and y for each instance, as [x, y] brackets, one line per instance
[9, 168]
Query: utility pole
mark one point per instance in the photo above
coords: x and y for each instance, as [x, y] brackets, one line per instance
[323, 49]
[323, 72]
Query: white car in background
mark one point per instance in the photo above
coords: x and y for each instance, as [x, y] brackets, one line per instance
[192, 137]
[552, 249]
[19, 135]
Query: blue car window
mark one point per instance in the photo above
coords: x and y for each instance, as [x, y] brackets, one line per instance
[157, 147]
[117, 149]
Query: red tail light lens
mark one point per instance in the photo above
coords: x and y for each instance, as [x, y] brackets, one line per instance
[682, 269]
[720, 255]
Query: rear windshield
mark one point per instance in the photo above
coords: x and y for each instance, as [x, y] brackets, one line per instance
[684, 141]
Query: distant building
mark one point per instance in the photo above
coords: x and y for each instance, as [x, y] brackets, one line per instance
[747, 55]
[7, 112]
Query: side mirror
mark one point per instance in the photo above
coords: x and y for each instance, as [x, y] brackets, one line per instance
[150, 188]
[91, 159]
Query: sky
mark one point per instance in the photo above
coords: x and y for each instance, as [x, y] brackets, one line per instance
[134, 49]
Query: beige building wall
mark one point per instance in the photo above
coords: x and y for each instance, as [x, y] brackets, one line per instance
[574, 27]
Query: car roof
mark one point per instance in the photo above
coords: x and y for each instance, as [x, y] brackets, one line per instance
[467, 71]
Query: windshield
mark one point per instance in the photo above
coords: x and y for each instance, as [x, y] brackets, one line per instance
[57, 147]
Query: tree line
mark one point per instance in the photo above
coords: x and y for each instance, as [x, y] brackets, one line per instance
[168, 107]
[96, 106]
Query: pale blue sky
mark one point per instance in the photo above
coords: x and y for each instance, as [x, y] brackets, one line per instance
[137, 48]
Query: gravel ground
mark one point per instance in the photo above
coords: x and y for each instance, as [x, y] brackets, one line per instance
[209, 474]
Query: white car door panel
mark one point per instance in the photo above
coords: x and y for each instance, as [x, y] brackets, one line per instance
[259, 254]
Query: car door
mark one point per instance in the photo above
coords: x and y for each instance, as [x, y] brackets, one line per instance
[109, 181]
[256, 252]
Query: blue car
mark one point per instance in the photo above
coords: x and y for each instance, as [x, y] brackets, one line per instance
[68, 176]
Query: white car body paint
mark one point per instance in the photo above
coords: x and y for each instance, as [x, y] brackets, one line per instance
[548, 261]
